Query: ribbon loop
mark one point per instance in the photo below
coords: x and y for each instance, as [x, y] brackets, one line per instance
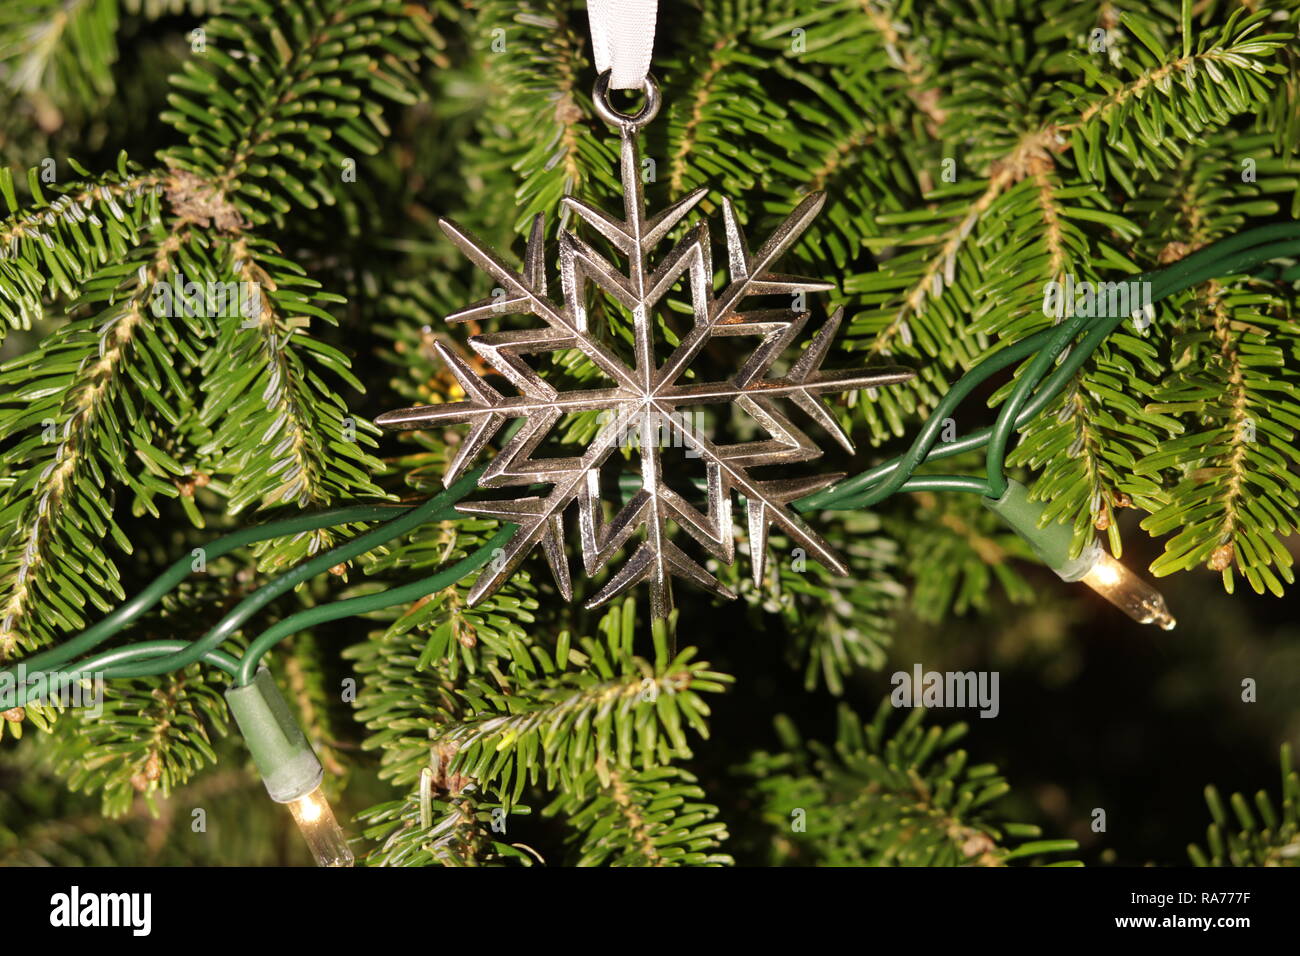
[622, 39]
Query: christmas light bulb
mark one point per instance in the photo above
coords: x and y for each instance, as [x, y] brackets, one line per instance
[324, 836]
[288, 766]
[1128, 592]
[1094, 567]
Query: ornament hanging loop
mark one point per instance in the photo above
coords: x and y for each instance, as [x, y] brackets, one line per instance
[628, 124]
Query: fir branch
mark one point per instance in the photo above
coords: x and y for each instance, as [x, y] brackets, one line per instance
[281, 433]
[714, 93]
[958, 554]
[1168, 100]
[76, 389]
[61, 50]
[563, 721]
[87, 837]
[455, 830]
[702, 96]
[426, 671]
[882, 798]
[1262, 837]
[1237, 495]
[277, 86]
[154, 735]
[834, 626]
[906, 58]
[56, 244]
[534, 53]
[1069, 445]
[642, 818]
[912, 279]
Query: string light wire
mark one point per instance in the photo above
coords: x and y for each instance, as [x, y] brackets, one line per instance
[1036, 386]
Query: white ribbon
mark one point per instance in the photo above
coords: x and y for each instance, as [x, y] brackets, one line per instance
[622, 39]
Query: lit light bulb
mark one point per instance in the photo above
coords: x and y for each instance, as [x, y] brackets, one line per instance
[1094, 567]
[289, 768]
[324, 836]
[1128, 592]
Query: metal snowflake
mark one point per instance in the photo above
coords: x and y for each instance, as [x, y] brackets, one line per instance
[645, 398]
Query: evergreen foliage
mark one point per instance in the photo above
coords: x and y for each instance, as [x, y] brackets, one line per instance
[885, 796]
[291, 169]
[1264, 837]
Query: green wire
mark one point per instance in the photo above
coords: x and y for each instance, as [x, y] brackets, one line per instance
[929, 433]
[439, 508]
[109, 666]
[1009, 417]
[1241, 262]
[1220, 250]
[364, 605]
[181, 569]
[944, 483]
[1027, 399]
[1035, 369]
[1017, 411]
[859, 492]
[121, 661]
[112, 662]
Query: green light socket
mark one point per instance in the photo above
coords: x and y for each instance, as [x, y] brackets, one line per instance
[284, 758]
[1051, 543]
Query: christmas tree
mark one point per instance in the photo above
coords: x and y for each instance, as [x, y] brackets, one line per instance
[401, 414]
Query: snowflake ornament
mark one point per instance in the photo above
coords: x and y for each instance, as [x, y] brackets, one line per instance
[646, 398]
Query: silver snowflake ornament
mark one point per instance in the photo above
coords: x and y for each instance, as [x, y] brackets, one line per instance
[646, 398]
